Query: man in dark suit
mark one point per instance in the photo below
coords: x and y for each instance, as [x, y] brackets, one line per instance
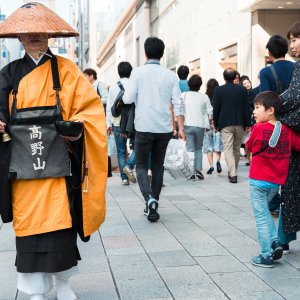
[231, 116]
[282, 69]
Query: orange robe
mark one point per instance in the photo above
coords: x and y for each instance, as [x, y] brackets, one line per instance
[42, 205]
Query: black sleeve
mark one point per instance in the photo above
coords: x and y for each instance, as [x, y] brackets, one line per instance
[247, 108]
[5, 89]
[216, 107]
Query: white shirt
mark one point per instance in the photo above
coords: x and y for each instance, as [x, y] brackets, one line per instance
[101, 88]
[198, 109]
[112, 95]
[153, 89]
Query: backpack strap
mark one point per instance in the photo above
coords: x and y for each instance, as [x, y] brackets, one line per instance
[279, 87]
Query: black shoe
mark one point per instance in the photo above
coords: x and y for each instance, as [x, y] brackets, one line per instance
[219, 168]
[199, 175]
[286, 248]
[210, 170]
[151, 210]
[192, 177]
[277, 250]
[233, 179]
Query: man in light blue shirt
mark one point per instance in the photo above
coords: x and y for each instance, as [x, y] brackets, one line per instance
[153, 89]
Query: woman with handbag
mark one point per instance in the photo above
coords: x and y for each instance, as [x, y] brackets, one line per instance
[289, 218]
[198, 111]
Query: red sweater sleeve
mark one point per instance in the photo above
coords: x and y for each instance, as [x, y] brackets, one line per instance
[251, 140]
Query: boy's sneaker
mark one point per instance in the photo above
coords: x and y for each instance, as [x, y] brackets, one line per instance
[129, 174]
[286, 248]
[151, 210]
[219, 168]
[277, 250]
[260, 261]
[199, 175]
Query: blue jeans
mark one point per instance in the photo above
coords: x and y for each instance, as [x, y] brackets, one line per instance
[265, 226]
[194, 138]
[121, 152]
[284, 237]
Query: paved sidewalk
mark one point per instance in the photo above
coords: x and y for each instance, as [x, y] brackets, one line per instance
[200, 248]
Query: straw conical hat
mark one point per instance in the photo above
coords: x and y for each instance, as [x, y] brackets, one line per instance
[35, 18]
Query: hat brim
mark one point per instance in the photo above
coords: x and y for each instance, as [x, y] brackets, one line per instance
[35, 18]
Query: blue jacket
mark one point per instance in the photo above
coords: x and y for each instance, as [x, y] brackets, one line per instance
[284, 70]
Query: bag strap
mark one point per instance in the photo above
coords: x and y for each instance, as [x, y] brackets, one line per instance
[55, 79]
[261, 150]
[120, 86]
[279, 87]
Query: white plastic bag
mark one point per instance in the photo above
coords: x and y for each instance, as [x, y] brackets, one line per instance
[112, 149]
[178, 162]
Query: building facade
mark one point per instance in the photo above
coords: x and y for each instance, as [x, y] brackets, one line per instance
[208, 36]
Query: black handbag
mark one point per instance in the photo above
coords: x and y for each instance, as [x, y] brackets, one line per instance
[118, 105]
[69, 128]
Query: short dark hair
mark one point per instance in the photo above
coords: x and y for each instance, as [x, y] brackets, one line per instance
[195, 83]
[154, 48]
[278, 46]
[183, 72]
[244, 77]
[269, 99]
[90, 72]
[294, 30]
[229, 74]
[210, 86]
[124, 69]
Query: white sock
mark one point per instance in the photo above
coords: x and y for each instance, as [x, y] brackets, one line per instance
[64, 292]
[38, 297]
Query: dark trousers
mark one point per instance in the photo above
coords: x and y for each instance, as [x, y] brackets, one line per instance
[156, 144]
[109, 174]
[274, 204]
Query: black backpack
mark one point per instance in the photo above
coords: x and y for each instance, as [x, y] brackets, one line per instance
[118, 105]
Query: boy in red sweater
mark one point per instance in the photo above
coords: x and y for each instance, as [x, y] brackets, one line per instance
[271, 144]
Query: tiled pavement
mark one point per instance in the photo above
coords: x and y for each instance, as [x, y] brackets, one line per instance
[200, 248]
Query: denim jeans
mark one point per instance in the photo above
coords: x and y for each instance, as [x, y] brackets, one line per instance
[156, 144]
[194, 137]
[284, 237]
[121, 152]
[265, 226]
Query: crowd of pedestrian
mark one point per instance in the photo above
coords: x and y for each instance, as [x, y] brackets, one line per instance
[142, 111]
[224, 119]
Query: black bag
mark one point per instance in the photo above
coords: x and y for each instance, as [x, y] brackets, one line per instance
[118, 105]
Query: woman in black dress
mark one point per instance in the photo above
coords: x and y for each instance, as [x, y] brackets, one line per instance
[289, 220]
